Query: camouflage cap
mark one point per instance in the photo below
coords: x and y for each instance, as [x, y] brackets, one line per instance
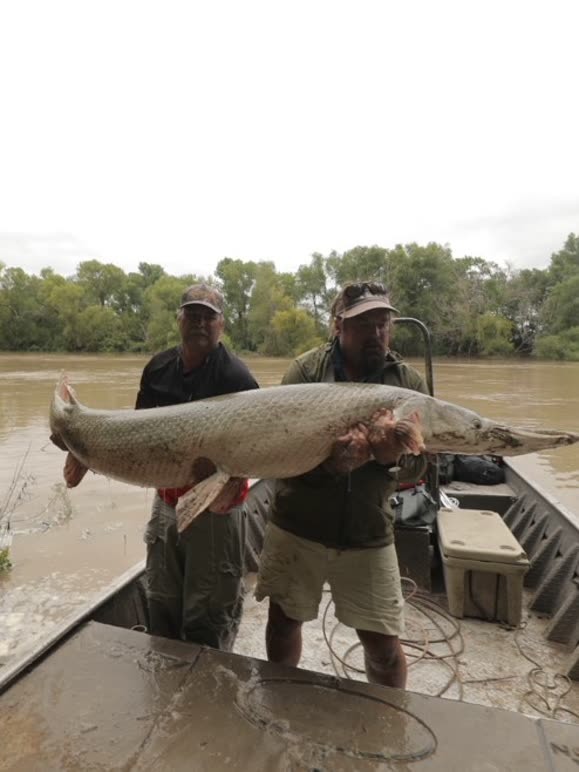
[203, 295]
[357, 298]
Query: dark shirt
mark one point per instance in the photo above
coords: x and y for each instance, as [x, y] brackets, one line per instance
[345, 511]
[164, 382]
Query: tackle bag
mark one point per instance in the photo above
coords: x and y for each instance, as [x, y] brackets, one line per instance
[481, 470]
[414, 506]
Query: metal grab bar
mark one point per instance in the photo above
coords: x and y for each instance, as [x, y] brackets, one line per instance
[432, 483]
[427, 337]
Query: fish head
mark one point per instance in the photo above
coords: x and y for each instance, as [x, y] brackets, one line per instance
[450, 428]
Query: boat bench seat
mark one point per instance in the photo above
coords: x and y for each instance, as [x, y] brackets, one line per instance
[484, 565]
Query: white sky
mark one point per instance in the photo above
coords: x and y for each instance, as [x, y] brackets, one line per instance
[183, 132]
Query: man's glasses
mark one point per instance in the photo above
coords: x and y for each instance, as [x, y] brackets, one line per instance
[202, 317]
[355, 291]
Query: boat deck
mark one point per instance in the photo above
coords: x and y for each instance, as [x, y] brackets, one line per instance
[115, 699]
[469, 660]
[481, 696]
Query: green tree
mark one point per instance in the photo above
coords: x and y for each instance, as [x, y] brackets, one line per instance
[479, 286]
[237, 279]
[561, 308]
[104, 283]
[563, 346]
[312, 289]
[267, 298]
[360, 264]
[150, 273]
[565, 263]
[68, 300]
[161, 301]
[494, 335]
[100, 329]
[21, 311]
[423, 283]
[525, 296]
[291, 333]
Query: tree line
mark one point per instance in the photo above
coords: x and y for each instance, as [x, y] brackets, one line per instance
[473, 307]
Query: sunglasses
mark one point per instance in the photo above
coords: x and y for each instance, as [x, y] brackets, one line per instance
[355, 291]
[197, 315]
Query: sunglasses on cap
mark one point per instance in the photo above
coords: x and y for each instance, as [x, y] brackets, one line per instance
[359, 297]
[354, 291]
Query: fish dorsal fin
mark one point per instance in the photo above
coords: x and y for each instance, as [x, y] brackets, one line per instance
[199, 498]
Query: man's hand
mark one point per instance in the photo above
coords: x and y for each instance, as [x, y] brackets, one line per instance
[390, 439]
[229, 496]
[349, 451]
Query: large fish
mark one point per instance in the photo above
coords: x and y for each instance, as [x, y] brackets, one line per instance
[276, 432]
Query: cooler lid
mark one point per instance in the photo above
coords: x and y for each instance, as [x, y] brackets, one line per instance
[477, 534]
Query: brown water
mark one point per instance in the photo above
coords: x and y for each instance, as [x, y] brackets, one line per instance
[68, 545]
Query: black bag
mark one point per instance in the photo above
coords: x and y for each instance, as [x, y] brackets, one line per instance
[414, 506]
[478, 469]
[445, 468]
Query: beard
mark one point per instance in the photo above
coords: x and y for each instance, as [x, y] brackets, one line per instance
[372, 356]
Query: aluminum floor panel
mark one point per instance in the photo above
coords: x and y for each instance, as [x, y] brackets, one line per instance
[114, 699]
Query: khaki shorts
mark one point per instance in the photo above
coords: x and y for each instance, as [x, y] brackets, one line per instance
[365, 583]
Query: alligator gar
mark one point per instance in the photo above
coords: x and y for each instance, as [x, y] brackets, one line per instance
[275, 432]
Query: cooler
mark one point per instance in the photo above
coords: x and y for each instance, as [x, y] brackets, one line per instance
[483, 565]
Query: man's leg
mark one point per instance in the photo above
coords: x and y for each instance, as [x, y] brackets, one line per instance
[214, 548]
[368, 597]
[291, 574]
[283, 637]
[384, 659]
[164, 574]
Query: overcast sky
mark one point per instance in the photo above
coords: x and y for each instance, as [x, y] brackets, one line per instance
[183, 132]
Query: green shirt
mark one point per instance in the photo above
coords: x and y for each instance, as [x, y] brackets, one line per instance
[345, 511]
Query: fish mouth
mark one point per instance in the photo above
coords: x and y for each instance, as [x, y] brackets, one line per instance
[500, 441]
[514, 442]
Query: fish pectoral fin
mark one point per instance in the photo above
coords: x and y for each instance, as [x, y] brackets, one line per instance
[74, 471]
[199, 498]
[408, 432]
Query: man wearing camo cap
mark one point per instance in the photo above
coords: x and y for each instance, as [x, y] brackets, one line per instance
[335, 524]
[194, 581]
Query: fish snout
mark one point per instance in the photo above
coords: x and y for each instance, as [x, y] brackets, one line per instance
[510, 441]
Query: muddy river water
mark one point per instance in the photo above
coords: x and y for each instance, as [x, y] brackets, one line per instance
[68, 545]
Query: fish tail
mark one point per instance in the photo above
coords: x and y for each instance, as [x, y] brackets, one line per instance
[65, 391]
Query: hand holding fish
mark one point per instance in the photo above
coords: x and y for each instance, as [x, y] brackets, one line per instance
[385, 439]
[389, 439]
[349, 451]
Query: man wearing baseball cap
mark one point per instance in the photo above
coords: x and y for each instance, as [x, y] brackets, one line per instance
[335, 524]
[194, 581]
